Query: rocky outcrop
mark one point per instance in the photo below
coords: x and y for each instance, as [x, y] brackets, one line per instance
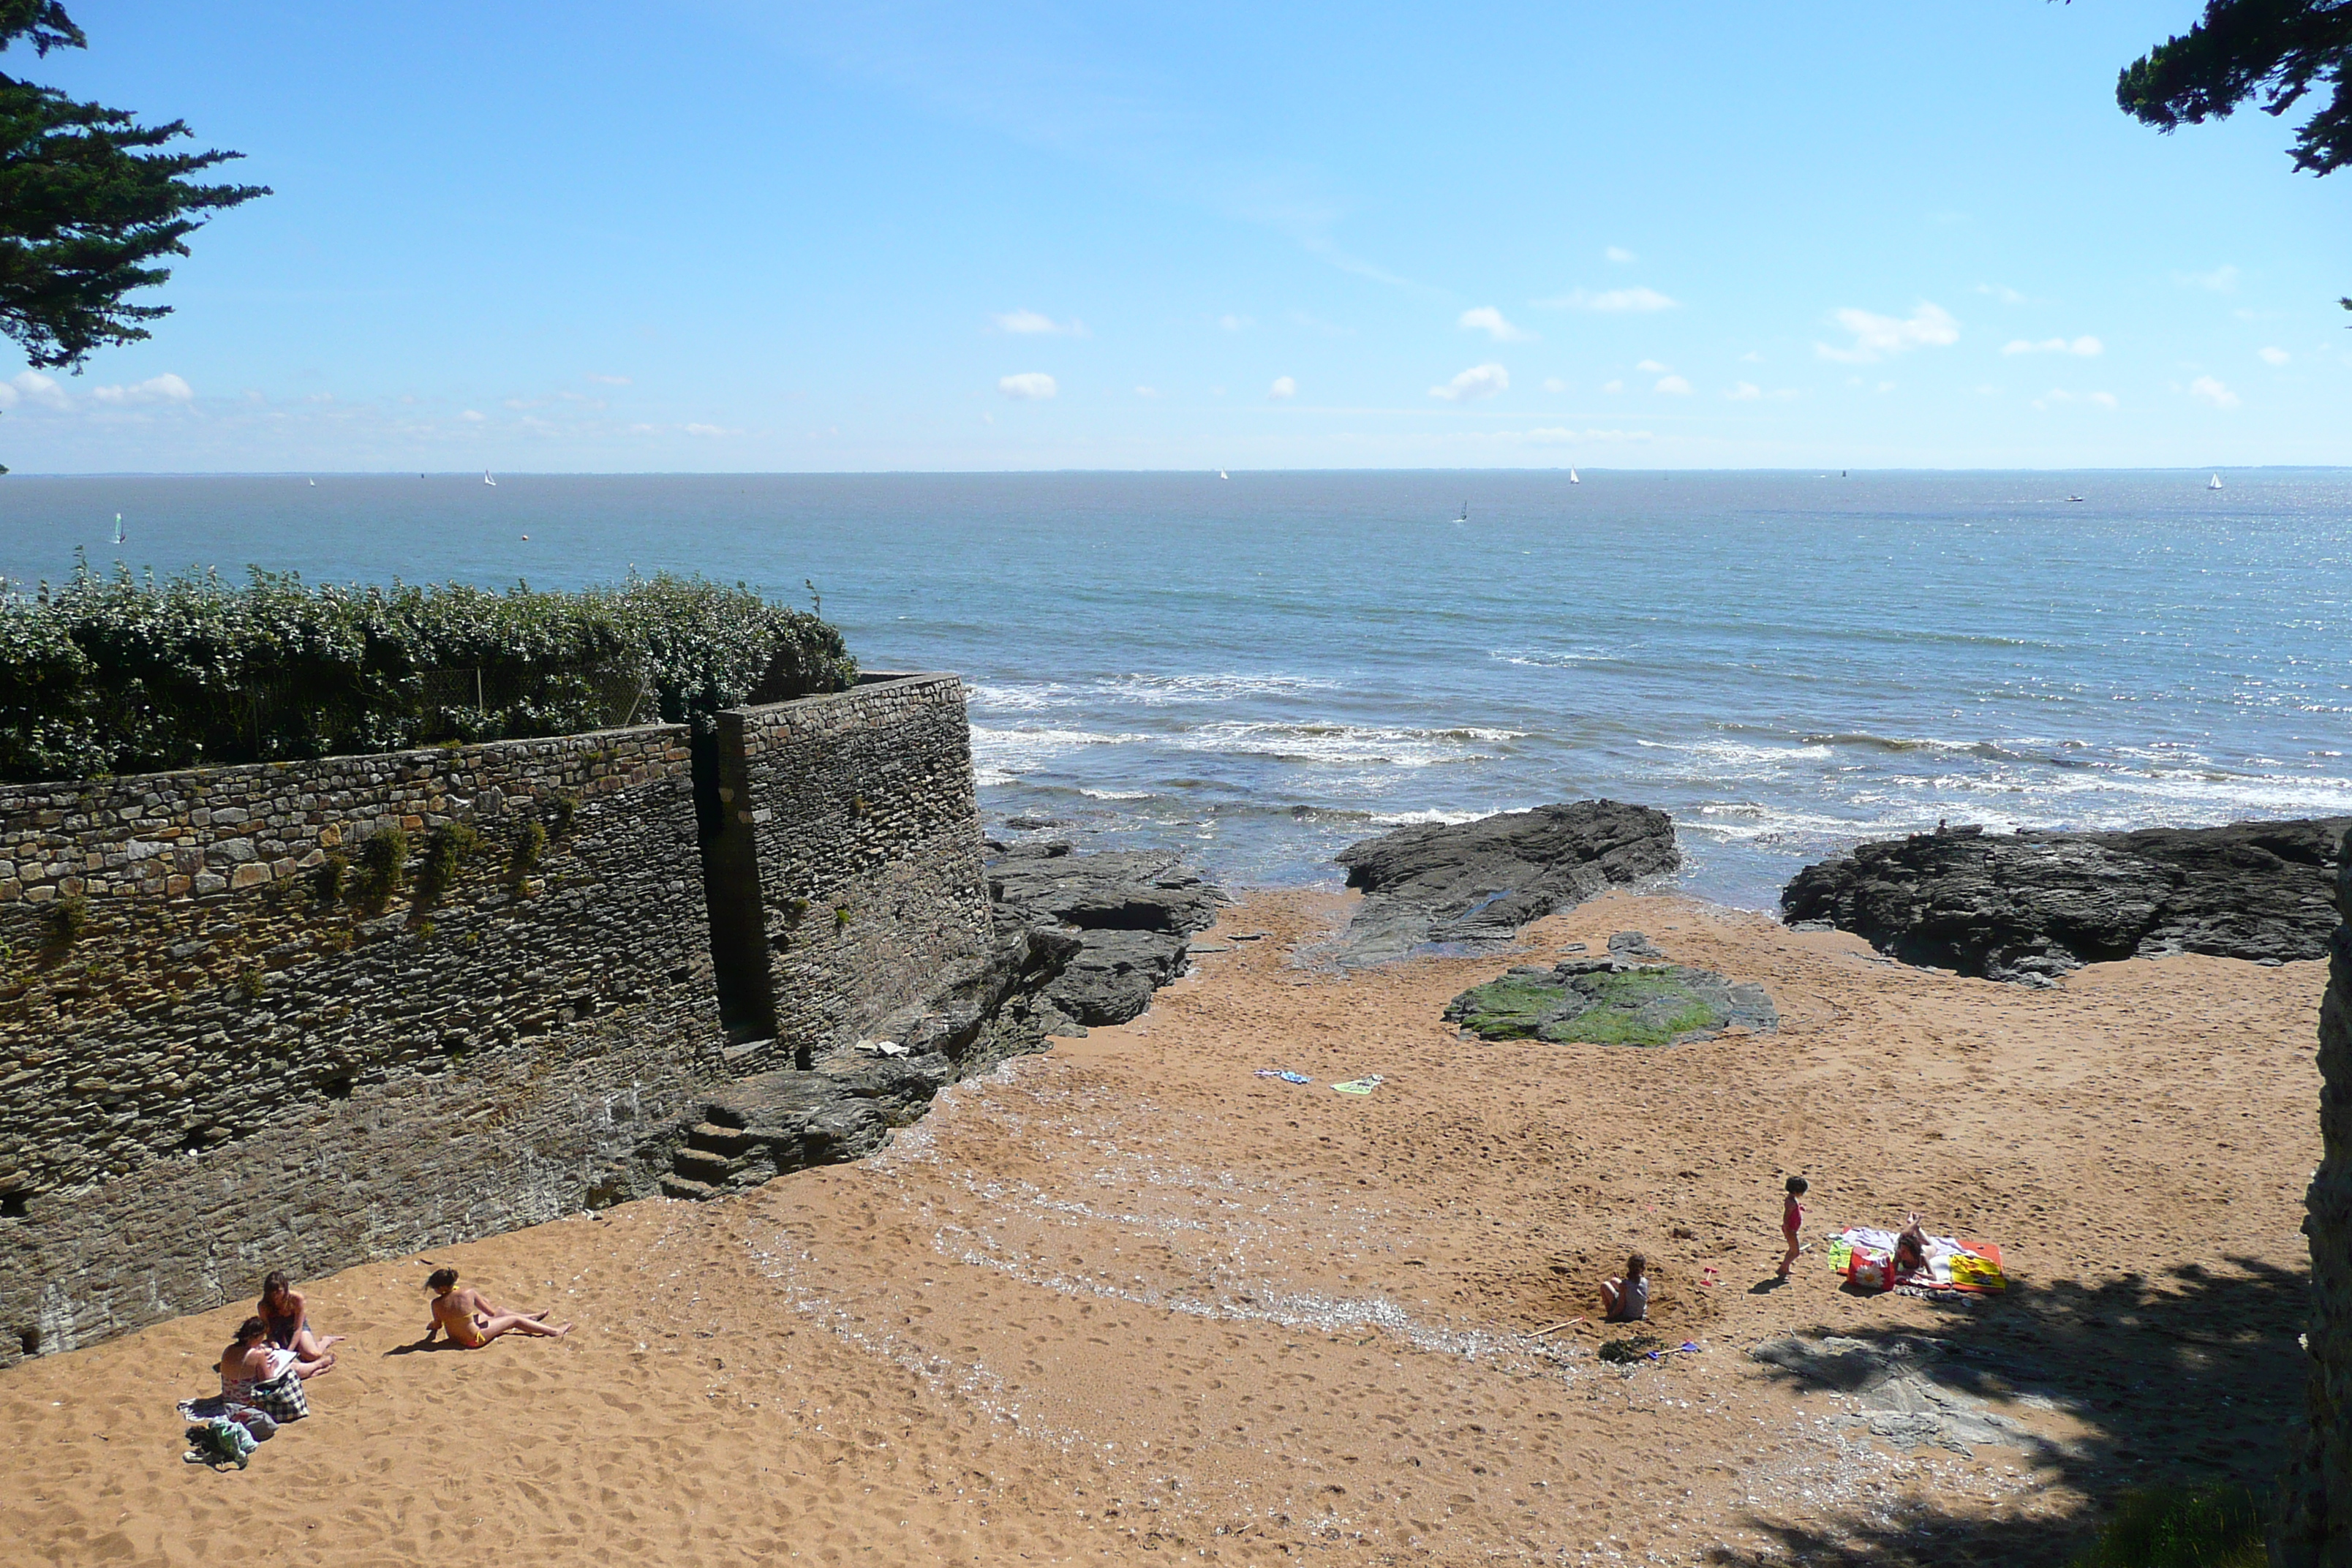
[1128, 912]
[1605, 1001]
[1481, 882]
[1080, 940]
[2033, 906]
[2314, 1504]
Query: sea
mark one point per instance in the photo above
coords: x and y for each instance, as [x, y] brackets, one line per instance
[1260, 670]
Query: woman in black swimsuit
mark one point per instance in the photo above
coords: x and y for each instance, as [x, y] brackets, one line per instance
[285, 1315]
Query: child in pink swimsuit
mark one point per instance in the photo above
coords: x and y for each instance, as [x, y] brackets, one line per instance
[1793, 1220]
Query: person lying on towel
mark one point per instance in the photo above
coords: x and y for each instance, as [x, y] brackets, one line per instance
[470, 1319]
[1910, 1249]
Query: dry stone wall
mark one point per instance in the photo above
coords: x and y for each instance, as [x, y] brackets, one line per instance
[859, 810]
[227, 1045]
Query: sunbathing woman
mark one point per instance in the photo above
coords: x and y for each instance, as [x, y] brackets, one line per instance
[1910, 1249]
[286, 1313]
[472, 1320]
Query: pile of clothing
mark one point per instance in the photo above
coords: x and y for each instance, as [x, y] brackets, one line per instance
[226, 1431]
[1866, 1257]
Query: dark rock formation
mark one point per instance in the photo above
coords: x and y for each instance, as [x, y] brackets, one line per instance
[1481, 882]
[2032, 906]
[1080, 939]
[1129, 911]
[1604, 1002]
[2314, 1504]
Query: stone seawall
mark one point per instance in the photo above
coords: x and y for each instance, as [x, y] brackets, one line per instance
[868, 853]
[229, 1041]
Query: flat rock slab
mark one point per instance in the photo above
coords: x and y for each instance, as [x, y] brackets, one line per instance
[1481, 882]
[1898, 1390]
[1603, 1002]
[2030, 907]
[1120, 921]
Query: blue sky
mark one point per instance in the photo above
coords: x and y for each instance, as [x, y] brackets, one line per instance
[726, 234]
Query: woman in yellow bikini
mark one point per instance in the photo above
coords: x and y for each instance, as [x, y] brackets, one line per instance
[471, 1320]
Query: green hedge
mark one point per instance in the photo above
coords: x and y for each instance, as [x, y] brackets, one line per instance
[123, 675]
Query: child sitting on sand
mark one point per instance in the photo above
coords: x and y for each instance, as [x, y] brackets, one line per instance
[1627, 1301]
[1793, 1220]
[470, 1319]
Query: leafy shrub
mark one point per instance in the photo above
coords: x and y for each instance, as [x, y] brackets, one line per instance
[567, 808]
[334, 875]
[445, 849]
[122, 674]
[69, 918]
[251, 981]
[2216, 1526]
[530, 844]
[383, 862]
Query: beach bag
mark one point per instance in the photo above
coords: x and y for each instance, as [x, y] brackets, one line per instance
[280, 1398]
[219, 1441]
[1841, 1255]
[1871, 1270]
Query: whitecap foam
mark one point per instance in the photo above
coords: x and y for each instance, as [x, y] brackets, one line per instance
[1016, 752]
[1429, 817]
[1335, 743]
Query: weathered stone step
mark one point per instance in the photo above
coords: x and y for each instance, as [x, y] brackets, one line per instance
[701, 1166]
[713, 1138]
[684, 1188]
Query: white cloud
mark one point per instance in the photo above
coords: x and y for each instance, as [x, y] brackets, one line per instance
[2222, 279]
[1236, 324]
[1620, 255]
[476, 416]
[1147, 392]
[1487, 320]
[1554, 383]
[156, 389]
[1878, 337]
[2274, 356]
[1745, 391]
[1783, 393]
[606, 380]
[2212, 392]
[1652, 367]
[2001, 292]
[2085, 346]
[1029, 385]
[1479, 381]
[2103, 399]
[1027, 322]
[1674, 385]
[1612, 386]
[1283, 386]
[1609, 300]
[1751, 357]
[710, 430]
[31, 387]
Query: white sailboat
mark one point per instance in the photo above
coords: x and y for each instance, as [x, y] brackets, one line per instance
[1573, 478]
[118, 528]
[1223, 475]
[486, 480]
[2214, 483]
[314, 484]
[1465, 513]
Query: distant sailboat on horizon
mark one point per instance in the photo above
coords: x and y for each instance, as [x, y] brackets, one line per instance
[1573, 478]
[118, 528]
[2214, 483]
[1465, 513]
[487, 480]
[1223, 475]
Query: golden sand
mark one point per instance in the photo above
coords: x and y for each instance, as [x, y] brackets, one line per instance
[1129, 1301]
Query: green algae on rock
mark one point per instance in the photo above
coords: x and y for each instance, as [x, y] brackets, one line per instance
[1601, 1002]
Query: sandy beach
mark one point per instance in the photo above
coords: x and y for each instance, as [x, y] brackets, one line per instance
[1130, 1297]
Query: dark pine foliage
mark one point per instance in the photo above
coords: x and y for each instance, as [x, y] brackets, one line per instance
[87, 206]
[2279, 51]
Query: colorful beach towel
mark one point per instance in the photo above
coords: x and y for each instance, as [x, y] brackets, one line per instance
[1285, 1076]
[1360, 1085]
[1866, 1255]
